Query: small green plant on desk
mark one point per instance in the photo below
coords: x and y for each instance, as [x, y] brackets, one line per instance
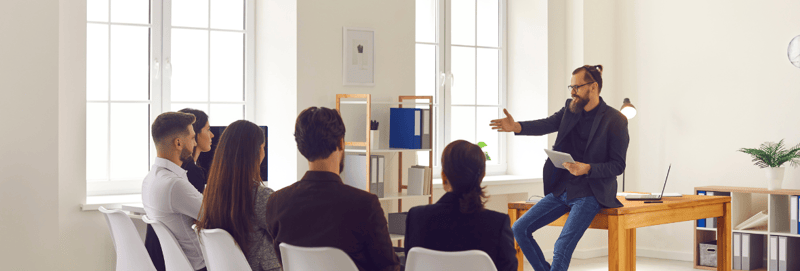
[482, 144]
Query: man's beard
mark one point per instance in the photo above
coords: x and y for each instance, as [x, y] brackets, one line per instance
[186, 156]
[341, 164]
[578, 103]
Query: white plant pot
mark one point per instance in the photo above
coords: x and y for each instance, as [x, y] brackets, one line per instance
[774, 177]
[374, 139]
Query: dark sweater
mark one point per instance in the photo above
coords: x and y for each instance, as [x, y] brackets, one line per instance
[442, 226]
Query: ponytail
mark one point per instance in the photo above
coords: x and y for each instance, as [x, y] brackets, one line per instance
[464, 165]
[473, 200]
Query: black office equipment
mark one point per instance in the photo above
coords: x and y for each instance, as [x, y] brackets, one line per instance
[651, 197]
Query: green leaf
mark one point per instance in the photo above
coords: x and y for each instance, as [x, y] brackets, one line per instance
[487, 156]
[771, 154]
[481, 144]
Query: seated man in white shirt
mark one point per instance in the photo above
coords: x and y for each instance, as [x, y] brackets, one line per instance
[167, 195]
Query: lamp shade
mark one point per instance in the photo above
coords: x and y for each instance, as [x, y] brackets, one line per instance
[628, 109]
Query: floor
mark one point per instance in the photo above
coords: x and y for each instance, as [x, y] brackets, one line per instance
[642, 264]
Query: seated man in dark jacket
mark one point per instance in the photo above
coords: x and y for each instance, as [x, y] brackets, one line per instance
[320, 210]
[458, 221]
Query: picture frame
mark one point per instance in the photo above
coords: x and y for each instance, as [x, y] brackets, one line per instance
[358, 56]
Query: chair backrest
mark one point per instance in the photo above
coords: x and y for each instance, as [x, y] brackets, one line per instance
[131, 254]
[221, 251]
[174, 258]
[294, 258]
[420, 259]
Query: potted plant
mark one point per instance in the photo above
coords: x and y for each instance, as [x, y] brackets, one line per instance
[771, 156]
[486, 153]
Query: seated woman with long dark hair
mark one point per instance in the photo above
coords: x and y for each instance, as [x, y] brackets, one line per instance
[458, 221]
[235, 199]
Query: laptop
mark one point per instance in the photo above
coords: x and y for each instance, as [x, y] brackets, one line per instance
[651, 197]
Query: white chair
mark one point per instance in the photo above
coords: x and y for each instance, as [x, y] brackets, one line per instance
[294, 258]
[174, 258]
[131, 254]
[421, 259]
[221, 252]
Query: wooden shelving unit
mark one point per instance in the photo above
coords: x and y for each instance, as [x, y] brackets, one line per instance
[746, 202]
[364, 147]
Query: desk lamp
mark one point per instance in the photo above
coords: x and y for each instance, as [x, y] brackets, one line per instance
[629, 111]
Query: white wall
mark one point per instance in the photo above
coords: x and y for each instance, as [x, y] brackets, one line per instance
[276, 85]
[319, 57]
[707, 78]
[715, 80]
[84, 240]
[29, 144]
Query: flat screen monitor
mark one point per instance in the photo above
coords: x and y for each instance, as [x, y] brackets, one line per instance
[205, 158]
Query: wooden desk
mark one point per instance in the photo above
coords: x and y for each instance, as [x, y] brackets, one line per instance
[622, 222]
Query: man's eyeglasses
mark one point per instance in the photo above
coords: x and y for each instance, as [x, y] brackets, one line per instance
[575, 88]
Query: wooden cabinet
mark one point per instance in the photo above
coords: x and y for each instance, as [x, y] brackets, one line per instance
[359, 147]
[745, 203]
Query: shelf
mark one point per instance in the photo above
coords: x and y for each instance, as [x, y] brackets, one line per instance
[382, 150]
[753, 190]
[704, 267]
[784, 234]
[397, 237]
[387, 103]
[760, 232]
[404, 195]
[706, 229]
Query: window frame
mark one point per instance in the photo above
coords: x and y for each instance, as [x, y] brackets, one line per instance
[159, 80]
[444, 78]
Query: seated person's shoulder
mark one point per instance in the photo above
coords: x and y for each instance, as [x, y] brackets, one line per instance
[494, 214]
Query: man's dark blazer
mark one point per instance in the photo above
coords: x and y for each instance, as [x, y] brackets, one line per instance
[605, 150]
[443, 227]
[321, 211]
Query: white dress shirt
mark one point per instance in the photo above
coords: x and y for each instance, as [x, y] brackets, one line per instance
[169, 198]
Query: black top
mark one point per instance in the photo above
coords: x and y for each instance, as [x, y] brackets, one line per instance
[606, 149]
[197, 177]
[577, 186]
[442, 226]
[321, 211]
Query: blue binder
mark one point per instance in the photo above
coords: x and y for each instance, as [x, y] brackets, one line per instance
[701, 223]
[405, 128]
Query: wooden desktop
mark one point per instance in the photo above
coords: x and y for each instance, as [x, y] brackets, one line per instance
[622, 223]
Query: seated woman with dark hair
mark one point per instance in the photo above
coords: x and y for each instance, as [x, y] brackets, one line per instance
[458, 221]
[235, 199]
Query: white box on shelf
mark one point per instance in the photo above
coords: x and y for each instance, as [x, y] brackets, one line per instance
[416, 179]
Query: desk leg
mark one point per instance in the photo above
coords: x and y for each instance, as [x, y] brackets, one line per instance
[631, 249]
[724, 238]
[621, 245]
[513, 214]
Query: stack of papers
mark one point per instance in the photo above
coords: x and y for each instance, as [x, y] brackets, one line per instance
[755, 221]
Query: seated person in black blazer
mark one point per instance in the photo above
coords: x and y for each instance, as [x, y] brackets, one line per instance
[458, 221]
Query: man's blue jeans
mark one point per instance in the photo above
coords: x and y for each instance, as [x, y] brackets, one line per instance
[581, 213]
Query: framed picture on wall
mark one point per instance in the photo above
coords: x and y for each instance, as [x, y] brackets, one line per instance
[358, 56]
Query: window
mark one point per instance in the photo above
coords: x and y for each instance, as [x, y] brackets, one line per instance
[460, 60]
[148, 57]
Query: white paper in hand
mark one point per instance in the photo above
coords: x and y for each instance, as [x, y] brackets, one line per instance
[559, 158]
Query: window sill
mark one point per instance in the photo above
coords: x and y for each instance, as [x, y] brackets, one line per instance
[112, 201]
[498, 180]
[116, 201]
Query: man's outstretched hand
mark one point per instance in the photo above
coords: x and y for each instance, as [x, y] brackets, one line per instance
[506, 124]
[577, 168]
